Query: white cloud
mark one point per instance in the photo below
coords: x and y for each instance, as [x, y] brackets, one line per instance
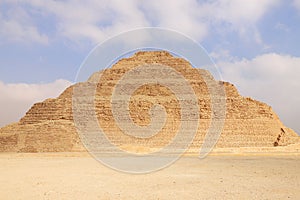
[17, 26]
[241, 17]
[184, 16]
[16, 99]
[93, 20]
[271, 78]
[241, 12]
[97, 20]
[297, 4]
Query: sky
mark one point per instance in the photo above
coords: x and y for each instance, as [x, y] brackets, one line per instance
[254, 43]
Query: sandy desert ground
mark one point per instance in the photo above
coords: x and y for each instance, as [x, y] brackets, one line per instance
[79, 176]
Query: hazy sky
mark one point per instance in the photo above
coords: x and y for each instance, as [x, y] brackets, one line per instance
[255, 44]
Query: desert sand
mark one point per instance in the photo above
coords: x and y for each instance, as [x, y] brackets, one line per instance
[79, 176]
[255, 157]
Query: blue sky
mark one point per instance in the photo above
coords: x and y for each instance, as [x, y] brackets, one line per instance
[255, 44]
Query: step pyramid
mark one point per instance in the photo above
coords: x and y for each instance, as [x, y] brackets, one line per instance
[49, 126]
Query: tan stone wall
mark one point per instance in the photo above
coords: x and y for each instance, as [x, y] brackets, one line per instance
[48, 126]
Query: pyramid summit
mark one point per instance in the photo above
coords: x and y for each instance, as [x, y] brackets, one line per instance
[49, 126]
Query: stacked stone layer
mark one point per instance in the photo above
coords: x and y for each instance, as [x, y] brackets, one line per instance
[49, 127]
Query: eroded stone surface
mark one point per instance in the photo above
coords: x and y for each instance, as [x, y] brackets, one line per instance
[48, 126]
